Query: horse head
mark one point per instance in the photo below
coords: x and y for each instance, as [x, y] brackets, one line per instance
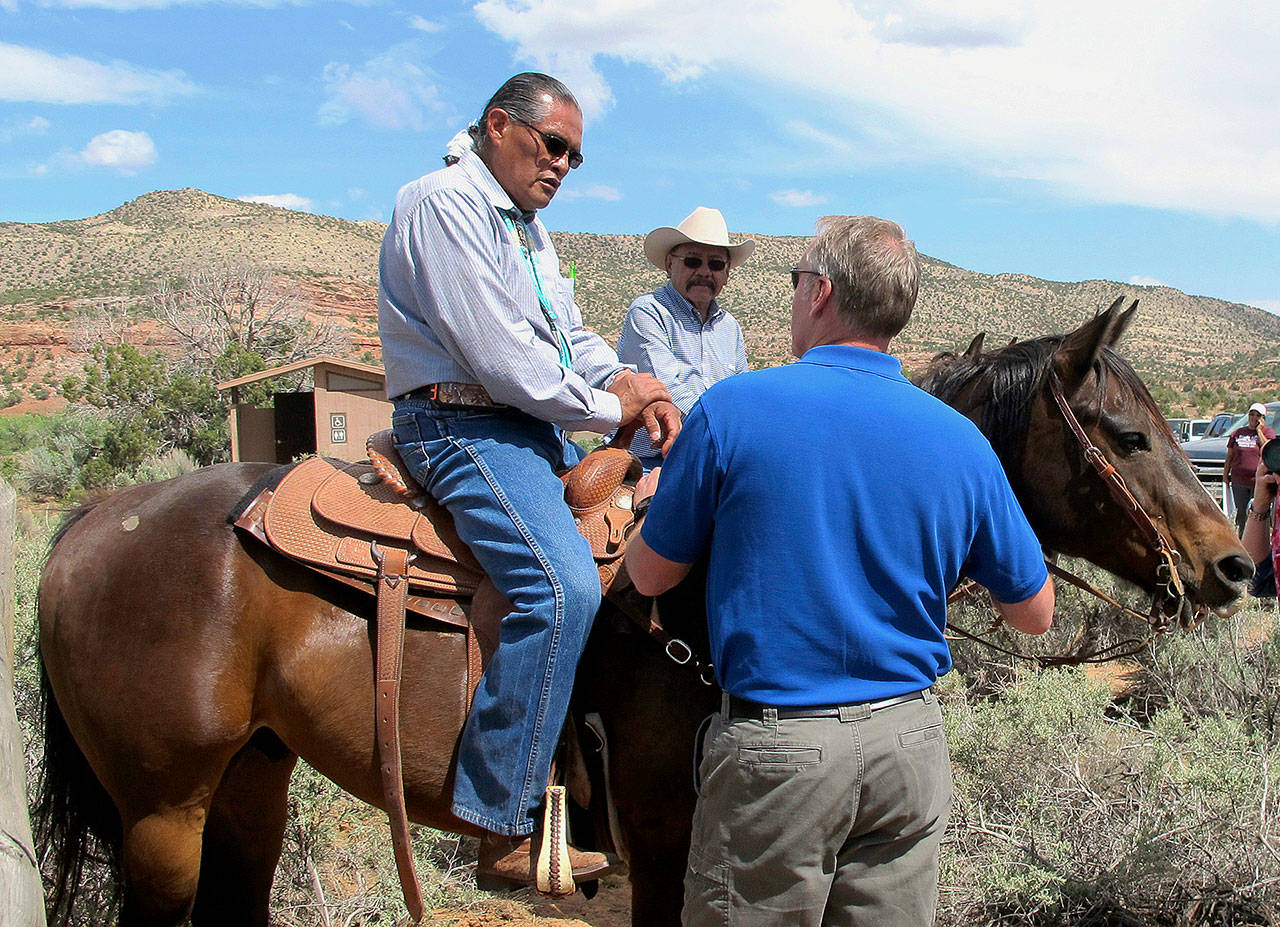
[1009, 393]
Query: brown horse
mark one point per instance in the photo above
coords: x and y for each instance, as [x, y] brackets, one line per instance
[187, 668]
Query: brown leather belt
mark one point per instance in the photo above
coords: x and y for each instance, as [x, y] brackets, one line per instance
[454, 396]
[743, 709]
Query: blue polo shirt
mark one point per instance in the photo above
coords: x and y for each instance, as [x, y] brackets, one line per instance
[839, 503]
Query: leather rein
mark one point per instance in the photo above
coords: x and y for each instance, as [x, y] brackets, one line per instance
[1169, 592]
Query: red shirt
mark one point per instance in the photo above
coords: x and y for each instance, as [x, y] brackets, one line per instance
[1248, 454]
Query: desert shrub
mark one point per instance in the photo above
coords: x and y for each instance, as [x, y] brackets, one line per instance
[1074, 809]
[338, 868]
[59, 448]
[164, 467]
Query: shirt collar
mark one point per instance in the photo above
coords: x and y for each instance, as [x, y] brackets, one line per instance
[478, 172]
[846, 355]
[679, 299]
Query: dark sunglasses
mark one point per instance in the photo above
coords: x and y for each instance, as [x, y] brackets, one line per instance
[693, 263]
[797, 271]
[556, 147]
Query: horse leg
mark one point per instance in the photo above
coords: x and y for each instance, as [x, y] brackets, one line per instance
[161, 865]
[244, 834]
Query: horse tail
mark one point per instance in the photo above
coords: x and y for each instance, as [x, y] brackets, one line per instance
[76, 824]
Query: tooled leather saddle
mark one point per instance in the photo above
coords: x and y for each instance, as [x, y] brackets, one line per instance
[371, 526]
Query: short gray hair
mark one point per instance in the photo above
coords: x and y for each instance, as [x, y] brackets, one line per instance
[874, 271]
[523, 98]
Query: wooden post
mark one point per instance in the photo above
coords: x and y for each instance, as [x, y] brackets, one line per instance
[21, 896]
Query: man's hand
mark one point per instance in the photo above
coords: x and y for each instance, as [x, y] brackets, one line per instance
[662, 421]
[643, 395]
[646, 486]
[635, 391]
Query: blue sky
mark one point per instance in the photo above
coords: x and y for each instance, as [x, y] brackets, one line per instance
[1137, 142]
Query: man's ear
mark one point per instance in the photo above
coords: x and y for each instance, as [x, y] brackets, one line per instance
[496, 123]
[823, 301]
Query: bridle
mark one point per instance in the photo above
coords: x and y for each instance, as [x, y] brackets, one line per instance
[1169, 594]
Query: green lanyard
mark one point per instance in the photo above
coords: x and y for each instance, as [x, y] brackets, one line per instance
[566, 357]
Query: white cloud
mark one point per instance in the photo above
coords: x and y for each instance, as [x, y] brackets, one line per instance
[595, 191]
[128, 5]
[797, 198]
[1165, 104]
[388, 92]
[283, 200]
[17, 128]
[424, 25]
[121, 151]
[1143, 280]
[28, 75]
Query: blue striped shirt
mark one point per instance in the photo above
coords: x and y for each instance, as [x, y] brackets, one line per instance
[664, 335]
[457, 303]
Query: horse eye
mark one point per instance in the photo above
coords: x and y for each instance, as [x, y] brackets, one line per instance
[1133, 441]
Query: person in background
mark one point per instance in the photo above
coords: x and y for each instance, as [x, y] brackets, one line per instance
[1261, 537]
[679, 332]
[1244, 448]
[488, 365]
[825, 779]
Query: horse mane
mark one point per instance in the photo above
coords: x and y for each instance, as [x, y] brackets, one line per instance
[1004, 382]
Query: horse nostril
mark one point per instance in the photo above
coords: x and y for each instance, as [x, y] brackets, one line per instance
[1234, 569]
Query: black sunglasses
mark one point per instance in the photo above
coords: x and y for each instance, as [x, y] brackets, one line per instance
[556, 147]
[693, 262]
[797, 271]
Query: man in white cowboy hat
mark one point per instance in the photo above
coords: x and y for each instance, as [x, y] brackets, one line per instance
[679, 333]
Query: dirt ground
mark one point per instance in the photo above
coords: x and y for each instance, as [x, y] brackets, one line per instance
[610, 908]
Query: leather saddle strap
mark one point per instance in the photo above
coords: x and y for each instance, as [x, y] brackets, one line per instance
[393, 591]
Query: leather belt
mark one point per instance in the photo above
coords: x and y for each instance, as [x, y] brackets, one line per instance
[454, 395]
[745, 709]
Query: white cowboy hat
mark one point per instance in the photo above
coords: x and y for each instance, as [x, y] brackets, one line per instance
[703, 226]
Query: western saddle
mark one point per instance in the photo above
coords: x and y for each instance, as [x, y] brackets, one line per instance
[371, 526]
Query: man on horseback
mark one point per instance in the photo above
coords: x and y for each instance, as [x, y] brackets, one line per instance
[489, 365]
[833, 539]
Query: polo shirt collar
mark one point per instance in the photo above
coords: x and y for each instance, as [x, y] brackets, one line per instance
[478, 172]
[854, 358]
[679, 299]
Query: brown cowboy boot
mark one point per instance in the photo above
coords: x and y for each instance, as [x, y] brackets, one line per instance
[507, 863]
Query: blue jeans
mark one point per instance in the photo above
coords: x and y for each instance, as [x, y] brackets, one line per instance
[495, 473]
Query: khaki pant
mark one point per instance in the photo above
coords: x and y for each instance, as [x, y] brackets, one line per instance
[821, 821]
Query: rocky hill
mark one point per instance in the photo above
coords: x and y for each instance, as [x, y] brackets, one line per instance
[52, 273]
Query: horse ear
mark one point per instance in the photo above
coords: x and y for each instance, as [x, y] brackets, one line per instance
[975, 346]
[1079, 350]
